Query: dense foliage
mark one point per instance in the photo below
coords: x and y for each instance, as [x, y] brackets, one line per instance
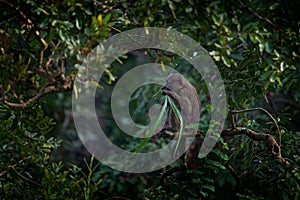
[255, 45]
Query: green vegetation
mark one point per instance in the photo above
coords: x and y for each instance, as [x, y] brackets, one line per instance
[255, 45]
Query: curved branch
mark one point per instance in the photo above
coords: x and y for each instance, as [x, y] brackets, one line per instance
[267, 138]
[44, 90]
[265, 111]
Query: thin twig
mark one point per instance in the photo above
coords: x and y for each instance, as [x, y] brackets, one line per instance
[115, 29]
[172, 10]
[257, 15]
[28, 180]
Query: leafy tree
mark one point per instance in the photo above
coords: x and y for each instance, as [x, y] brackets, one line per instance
[255, 45]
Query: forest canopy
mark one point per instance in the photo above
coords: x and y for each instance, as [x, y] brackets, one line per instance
[43, 45]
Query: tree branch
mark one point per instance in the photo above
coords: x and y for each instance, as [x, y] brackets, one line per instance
[267, 138]
[44, 90]
[270, 141]
[233, 112]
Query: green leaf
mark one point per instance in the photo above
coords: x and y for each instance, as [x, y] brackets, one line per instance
[62, 34]
[266, 75]
[47, 145]
[78, 23]
[268, 47]
[209, 187]
[67, 24]
[274, 6]
[226, 61]
[107, 18]
[179, 117]
[154, 127]
[273, 77]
